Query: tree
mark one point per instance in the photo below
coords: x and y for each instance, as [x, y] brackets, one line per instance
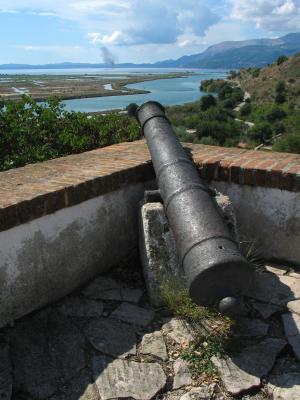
[289, 143]
[207, 101]
[261, 132]
[275, 114]
[279, 127]
[245, 109]
[31, 132]
[225, 92]
[131, 109]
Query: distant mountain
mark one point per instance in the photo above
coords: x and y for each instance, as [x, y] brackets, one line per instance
[226, 55]
[64, 65]
[247, 53]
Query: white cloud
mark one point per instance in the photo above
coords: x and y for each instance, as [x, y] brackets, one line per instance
[271, 15]
[8, 11]
[50, 48]
[116, 38]
[69, 9]
[42, 14]
[286, 8]
[197, 18]
[127, 22]
[192, 40]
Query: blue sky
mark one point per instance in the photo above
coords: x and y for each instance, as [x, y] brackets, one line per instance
[48, 31]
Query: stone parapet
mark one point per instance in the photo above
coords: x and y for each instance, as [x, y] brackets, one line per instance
[39, 189]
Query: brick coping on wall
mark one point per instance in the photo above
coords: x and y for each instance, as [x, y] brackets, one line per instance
[40, 189]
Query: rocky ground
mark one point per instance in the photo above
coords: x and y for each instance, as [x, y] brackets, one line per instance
[106, 342]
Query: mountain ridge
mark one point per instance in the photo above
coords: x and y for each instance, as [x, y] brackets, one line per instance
[224, 55]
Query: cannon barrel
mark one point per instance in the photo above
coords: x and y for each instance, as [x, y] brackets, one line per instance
[213, 265]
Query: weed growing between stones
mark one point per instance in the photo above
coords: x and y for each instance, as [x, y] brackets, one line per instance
[211, 330]
[175, 297]
[253, 253]
[199, 354]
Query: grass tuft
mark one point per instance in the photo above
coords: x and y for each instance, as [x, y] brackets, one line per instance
[176, 298]
[199, 354]
[211, 329]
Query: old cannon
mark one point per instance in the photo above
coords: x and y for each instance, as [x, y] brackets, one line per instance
[215, 270]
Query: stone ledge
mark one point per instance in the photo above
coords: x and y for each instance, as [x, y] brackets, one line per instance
[244, 167]
[39, 189]
[44, 188]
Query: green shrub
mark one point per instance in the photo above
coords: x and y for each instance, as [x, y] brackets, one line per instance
[208, 140]
[218, 131]
[255, 72]
[261, 132]
[212, 85]
[207, 101]
[185, 136]
[275, 114]
[281, 59]
[280, 87]
[289, 143]
[131, 109]
[280, 98]
[228, 103]
[280, 95]
[245, 109]
[279, 127]
[32, 132]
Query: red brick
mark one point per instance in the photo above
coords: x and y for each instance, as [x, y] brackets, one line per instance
[211, 170]
[8, 217]
[287, 181]
[275, 179]
[235, 170]
[293, 168]
[249, 172]
[260, 176]
[39, 189]
[224, 171]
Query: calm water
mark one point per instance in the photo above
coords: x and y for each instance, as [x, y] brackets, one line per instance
[165, 91]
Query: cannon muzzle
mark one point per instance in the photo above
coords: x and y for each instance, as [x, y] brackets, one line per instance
[212, 262]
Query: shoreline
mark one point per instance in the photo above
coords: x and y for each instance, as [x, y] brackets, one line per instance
[87, 84]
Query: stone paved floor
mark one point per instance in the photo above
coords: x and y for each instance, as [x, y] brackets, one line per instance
[106, 342]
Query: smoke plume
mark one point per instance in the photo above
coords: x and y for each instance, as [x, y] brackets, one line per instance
[107, 56]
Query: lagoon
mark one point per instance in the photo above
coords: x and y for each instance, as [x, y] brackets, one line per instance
[166, 91]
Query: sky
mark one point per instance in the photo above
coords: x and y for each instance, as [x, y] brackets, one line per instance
[50, 31]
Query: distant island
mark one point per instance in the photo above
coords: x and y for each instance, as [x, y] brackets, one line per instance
[225, 55]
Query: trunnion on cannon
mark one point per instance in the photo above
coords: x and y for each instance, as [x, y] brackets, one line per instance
[213, 265]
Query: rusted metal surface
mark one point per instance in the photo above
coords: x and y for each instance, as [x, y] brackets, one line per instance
[212, 262]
